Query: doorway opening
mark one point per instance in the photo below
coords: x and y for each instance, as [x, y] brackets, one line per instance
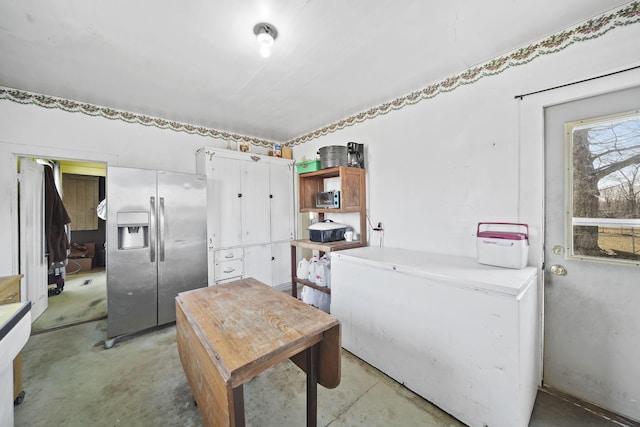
[77, 288]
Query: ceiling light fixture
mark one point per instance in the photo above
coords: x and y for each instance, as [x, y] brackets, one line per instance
[266, 34]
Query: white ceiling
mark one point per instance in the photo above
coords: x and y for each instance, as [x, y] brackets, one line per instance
[197, 61]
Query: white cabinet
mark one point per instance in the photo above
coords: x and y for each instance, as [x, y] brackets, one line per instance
[229, 270]
[281, 264]
[228, 264]
[281, 198]
[223, 201]
[463, 335]
[255, 202]
[269, 263]
[250, 210]
[258, 262]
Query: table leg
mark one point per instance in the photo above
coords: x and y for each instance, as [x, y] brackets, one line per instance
[312, 385]
[294, 265]
[238, 406]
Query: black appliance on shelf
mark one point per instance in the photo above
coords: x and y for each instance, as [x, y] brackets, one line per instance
[355, 155]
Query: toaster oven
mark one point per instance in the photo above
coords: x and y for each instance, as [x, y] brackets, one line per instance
[328, 199]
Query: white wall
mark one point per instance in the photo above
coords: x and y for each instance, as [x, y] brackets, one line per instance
[437, 168]
[53, 133]
[434, 169]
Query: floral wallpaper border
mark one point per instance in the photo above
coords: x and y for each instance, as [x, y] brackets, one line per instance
[591, 29]
[23, 97]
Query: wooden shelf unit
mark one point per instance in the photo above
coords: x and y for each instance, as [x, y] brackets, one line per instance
[352, 189]
[353, 199]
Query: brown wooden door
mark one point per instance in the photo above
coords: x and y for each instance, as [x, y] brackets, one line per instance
[80, 197]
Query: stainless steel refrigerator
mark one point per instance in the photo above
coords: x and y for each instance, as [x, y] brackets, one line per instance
[156, 245]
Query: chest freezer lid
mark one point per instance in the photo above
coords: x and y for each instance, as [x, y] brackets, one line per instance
[450, 269]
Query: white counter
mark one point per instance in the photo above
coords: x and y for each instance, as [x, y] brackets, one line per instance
[15, 327]
[463, 335]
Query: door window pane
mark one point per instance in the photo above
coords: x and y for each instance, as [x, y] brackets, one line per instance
[604, 177]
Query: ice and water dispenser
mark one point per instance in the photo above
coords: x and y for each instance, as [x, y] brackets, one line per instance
[133, 230]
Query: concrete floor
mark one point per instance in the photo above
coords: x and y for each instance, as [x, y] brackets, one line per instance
[84, 298]
[71, 380]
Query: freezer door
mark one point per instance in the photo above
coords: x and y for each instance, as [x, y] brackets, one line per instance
[131, 271]
[182, 238]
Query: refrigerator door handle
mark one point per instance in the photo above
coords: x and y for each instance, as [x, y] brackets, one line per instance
[152, 228]
[161, 230]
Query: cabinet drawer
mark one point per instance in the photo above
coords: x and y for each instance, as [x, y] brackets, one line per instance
[10, 294]
[222, 282]
[228, 269]
[228, 255]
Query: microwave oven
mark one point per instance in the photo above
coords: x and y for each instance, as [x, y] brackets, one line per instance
[328, 199]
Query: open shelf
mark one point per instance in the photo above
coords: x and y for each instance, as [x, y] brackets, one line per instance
[353, 199]
[352, 189]
[312, 285]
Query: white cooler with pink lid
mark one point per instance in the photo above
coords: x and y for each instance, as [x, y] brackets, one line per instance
[503, 244]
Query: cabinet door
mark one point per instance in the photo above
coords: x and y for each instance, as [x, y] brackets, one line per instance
[224, 216]
[281, 263]
[257, 263]
[255, 202]
[80, 197]
[281, 187]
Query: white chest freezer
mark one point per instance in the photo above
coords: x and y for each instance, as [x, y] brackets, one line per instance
[463, 335]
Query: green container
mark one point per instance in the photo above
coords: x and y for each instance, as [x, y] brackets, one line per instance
[308, 166]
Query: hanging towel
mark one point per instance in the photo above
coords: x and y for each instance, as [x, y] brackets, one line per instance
[56, 217]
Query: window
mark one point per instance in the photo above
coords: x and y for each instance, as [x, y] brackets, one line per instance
[604, 182]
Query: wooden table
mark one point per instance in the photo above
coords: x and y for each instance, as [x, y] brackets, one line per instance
[230, 333]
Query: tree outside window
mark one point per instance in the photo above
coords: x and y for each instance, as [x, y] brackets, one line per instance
[604, 205]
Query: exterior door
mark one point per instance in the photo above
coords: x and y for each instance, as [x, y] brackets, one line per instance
[33, 258]
[592, 250]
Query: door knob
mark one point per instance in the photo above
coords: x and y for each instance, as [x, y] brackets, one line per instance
[558, 270]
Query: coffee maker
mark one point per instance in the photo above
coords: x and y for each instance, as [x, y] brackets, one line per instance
[355, 155]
